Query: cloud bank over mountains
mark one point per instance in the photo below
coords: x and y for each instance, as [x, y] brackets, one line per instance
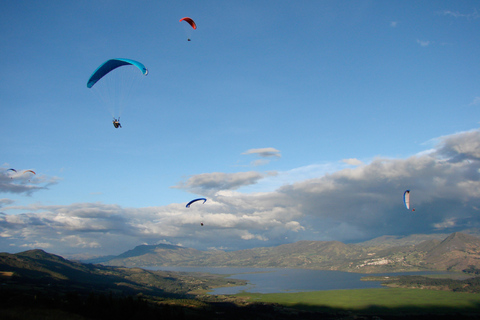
[354, 203]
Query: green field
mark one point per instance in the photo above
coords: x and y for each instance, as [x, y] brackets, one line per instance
[376, 301]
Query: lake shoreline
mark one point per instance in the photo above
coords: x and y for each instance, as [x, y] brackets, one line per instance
[286, 280]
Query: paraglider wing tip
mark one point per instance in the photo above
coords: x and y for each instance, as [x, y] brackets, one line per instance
[146, 71]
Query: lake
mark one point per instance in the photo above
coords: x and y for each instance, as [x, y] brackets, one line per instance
[277, 280]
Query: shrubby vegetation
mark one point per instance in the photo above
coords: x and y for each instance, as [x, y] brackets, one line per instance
[472, 270]
[471, 285]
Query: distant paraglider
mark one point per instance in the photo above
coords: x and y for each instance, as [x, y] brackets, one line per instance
[116, 123]
[406, 199]
[192, 24]
[195, 200]
[20, 174]
[11, 169]
[28, 171]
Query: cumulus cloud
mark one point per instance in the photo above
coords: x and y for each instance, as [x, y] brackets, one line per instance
[348, 204]
[68, 228]
[294, 226]
[460, 147]
[210, 183]
[447, 223]
[353, 162]
[21, 183]
[248, 236]
[368, 198]
[109, 229]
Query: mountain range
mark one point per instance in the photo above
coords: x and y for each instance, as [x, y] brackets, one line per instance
[453, 252]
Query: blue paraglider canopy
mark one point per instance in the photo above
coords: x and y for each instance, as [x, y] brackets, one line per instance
[194, 200]
[112, 64]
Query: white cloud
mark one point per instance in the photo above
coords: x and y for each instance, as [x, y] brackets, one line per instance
[353, 162]
[36, 244]
[208, 183]
[459, 147]
[264, 152]
[456, 14]
[447, 223]
[249, 236]
[294, 226]
[424, 43]
[318, 202]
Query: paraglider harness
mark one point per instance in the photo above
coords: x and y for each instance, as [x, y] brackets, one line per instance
[116, 123]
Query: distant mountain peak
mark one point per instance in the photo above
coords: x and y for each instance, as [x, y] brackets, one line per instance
[35, 251]
[460, 238]
[146, 249]
[39, 254]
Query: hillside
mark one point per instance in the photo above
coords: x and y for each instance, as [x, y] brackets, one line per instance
[454, 252]
[389, 241]
[157, 255]
[38, 267]
[39, 285]
[330, 255]
[397, 241]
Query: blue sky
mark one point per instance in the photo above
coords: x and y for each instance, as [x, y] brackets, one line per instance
[275, 111]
